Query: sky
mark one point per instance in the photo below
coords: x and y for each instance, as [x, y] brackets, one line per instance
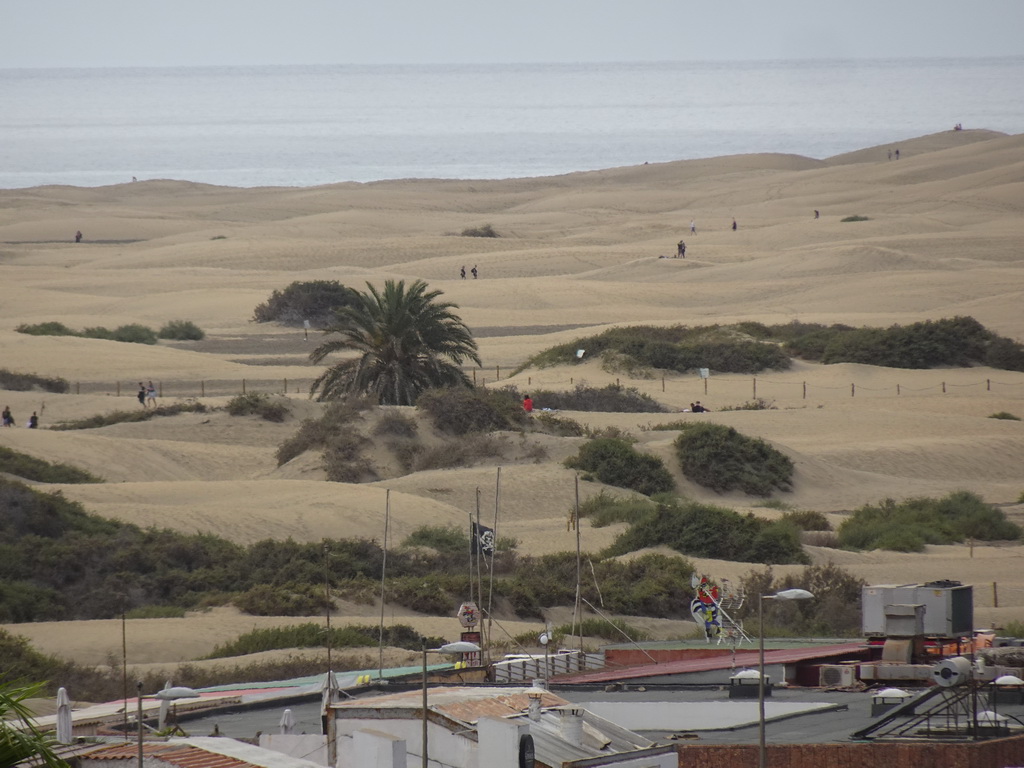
[129, 33]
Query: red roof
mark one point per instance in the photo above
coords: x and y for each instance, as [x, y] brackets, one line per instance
[183, 755]
[724, 661]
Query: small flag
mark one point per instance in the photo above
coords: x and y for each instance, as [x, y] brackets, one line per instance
[483, 539]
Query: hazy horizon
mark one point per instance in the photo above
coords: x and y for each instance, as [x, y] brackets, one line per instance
[44, 34]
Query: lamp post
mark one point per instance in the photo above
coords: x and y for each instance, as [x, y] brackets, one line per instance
[786, 594]
[459, 647]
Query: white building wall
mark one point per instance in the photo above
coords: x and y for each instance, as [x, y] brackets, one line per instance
[308, 746]
[374, 749]
[447, 750]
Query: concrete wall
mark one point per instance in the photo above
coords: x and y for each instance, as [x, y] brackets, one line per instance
[997, 753]
[308, 746]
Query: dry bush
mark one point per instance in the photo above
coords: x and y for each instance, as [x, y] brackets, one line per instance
[464, 452]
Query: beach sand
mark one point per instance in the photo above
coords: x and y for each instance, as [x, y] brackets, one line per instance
[577, 253]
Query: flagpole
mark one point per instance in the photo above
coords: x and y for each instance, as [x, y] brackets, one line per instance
[479, 574]
[383, 572]
[577, 608]
[490, 586]
[472, 546]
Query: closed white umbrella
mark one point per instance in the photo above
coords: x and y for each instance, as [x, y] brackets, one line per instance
[63, 716]
[287, 722]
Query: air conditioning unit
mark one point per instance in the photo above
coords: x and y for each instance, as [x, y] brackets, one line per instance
[837, 675]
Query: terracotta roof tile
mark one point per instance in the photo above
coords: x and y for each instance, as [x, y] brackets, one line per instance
[182, 755]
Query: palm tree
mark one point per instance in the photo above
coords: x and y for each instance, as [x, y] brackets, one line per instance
[406, 341]
[20, 740]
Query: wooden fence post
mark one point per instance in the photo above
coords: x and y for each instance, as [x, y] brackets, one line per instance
[943, 387]
[286, 385]
[995, 595]
[805, 390]
[202, 388]
[853, 390]
[755, 387]
[243, 386]
[897, 390]
[119, 389]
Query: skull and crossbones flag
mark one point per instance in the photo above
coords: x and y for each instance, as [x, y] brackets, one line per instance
[483, 540]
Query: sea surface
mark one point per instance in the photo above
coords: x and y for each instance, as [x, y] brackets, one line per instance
[305, 126]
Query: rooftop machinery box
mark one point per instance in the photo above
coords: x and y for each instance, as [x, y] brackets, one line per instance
[946, 609]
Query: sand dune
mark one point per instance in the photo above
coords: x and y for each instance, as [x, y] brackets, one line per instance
[577, 253]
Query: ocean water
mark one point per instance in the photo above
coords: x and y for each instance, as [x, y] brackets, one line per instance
[304, 126]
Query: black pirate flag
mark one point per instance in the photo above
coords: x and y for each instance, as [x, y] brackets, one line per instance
[483, 540]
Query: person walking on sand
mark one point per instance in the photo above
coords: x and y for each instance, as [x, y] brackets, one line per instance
[142, 394]
[78, 236]
[473, 270]
[817, 213]
[693, 227]
[151, 393]
[680, 249]
[734, 225]
[462, 272]
[8, 419]
[33, 421]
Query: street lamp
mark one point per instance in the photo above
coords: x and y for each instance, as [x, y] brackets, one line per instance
[459, 647]
[785, 594]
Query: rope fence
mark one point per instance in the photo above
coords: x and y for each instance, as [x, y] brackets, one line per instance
[177, 388]
[725, 386]
[762, 388]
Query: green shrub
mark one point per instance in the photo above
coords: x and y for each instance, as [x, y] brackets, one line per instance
[461, 452]
[1005, 354]
[910, 525]
[315, 301]
[610, 399]
[127, 417]
[41, 471]
[807, 520]
[344, 461]
[459, 410]
[24, 382]
[604, 509]
[615, 462]
[443, 538]
[1004, 415]
[760, 404]
[316, 636]
[268, 408]
[182, 330]
[135, 334]
[267, 600]
[1013, 628]
[339, 418]
[703, 530]
[720, 458]
[676, 348]
[833, 612]
[395, 424]
[558, 425]
[959, 341]
[855, 218]
[51, 328]
[485, 231]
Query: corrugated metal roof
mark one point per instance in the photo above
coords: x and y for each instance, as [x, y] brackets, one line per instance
[725, 661]
[501, 705]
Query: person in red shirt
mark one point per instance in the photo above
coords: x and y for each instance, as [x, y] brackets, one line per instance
[527, 404]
